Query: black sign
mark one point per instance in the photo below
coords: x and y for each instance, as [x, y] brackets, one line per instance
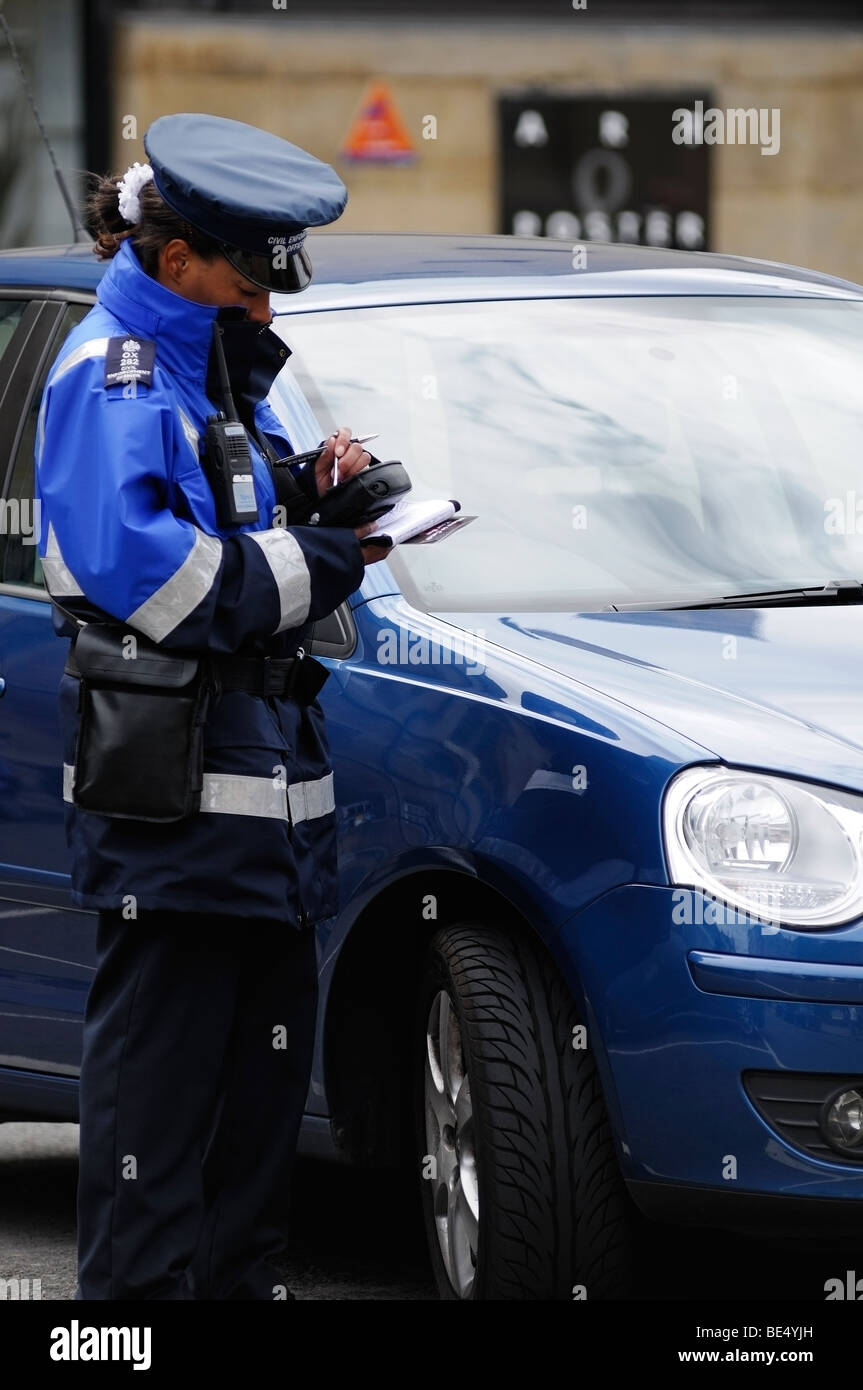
[594, 169]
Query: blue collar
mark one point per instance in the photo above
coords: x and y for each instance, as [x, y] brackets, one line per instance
[181, 328]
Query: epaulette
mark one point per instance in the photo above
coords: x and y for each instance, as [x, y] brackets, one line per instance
[129, 360]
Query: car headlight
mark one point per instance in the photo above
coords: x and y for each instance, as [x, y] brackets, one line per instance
[776, 848]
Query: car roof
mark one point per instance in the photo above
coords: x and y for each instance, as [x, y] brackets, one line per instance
[355, 268]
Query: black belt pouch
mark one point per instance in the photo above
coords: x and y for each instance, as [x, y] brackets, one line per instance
[140, 747]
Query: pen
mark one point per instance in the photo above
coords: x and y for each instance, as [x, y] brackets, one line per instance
[360, 439]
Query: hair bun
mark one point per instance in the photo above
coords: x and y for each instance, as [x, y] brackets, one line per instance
[156, 224]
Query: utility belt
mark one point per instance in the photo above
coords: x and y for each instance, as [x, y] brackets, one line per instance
[139, 753]
[294, 677]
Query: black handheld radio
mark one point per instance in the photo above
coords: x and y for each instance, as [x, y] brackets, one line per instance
[228, 459]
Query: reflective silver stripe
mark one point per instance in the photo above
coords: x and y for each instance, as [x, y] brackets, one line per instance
[40, 430]
[189, 431]
[59, 579]
[228, 793]
[180, 595]
[96, 347]
[234, 795]
[307, 800]
[291, 573]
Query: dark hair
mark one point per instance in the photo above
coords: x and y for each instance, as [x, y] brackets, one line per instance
[159, 224]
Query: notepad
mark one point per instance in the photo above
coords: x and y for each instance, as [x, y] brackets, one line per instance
[420, 522]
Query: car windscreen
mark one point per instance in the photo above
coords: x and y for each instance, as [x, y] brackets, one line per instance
[612, 450]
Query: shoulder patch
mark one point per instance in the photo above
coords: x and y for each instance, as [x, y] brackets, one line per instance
[129, 360]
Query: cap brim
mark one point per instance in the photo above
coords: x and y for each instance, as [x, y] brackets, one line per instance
[288, 279]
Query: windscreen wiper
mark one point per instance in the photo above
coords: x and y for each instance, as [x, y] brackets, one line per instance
[836, 591]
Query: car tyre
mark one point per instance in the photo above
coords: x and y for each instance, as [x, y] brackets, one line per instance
[521, 1190]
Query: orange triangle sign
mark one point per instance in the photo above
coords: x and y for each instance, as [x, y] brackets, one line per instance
[378, 136]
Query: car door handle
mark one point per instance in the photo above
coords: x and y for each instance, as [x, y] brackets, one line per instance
[2, 686]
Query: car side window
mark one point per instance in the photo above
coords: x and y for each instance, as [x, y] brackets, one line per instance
[10, 317]
[19, 557]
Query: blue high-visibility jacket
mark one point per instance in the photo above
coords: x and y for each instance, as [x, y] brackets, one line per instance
[129, 529]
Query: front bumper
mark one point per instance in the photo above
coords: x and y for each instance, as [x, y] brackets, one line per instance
[804, 1219]
[672, 1053]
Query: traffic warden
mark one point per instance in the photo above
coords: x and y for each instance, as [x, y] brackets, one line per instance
[199, 796]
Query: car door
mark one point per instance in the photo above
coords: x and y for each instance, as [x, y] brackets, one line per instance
[46, 945]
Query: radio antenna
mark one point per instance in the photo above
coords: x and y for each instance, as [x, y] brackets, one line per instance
[224, 379]
[79, 230]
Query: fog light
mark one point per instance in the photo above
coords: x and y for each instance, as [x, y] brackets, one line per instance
[842, 1121]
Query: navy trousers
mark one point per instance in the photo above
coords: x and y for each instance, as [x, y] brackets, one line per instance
[198, 1043]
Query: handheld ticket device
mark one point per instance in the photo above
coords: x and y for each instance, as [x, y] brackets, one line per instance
[228, 458]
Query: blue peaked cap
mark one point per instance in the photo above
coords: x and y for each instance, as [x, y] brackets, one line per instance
[251, 191]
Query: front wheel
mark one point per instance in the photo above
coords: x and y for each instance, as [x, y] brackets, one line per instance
[521, 1190]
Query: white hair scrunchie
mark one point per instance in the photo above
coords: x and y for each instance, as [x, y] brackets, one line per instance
[129, 187]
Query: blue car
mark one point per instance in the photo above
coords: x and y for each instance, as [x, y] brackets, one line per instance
[598, 751]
